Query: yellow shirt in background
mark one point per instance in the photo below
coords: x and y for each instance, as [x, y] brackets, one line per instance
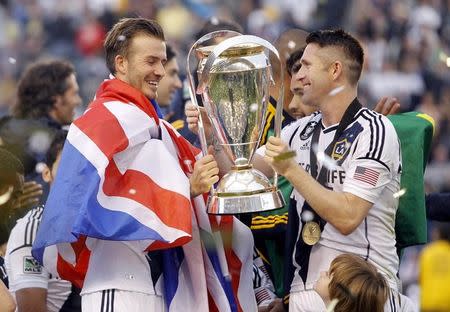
[435, 277]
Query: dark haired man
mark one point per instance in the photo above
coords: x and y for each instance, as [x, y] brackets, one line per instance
[48, 90]
[347, 206]
[47, 95]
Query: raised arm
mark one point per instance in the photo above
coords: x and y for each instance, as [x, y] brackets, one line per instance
[343, 210]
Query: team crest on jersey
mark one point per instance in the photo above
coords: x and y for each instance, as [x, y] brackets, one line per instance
[344, 143]
[308, 130]
[31, 266]
[340, 149]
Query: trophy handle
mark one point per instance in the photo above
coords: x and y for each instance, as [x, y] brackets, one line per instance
[209, 36]
[201, 129]
[229, 43]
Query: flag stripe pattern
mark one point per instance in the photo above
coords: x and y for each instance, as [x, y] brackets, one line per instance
[366, 175]
[124, 176]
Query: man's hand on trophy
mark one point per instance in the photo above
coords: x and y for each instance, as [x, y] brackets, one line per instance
[206, 173]
[192, 114]
[387, 106]
[278, 155]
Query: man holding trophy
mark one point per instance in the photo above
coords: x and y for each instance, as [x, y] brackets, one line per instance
[126, 218]
[344, 164]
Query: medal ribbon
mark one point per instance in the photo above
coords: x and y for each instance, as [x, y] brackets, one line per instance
[303, 250]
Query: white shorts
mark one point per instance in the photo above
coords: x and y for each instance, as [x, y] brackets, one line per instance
[115, 300]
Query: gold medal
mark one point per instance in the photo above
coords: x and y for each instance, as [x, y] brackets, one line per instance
[311, 233]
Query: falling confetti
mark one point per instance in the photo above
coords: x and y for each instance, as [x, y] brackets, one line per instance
[336, 91]
[253, 107]
[326, 160]
[332, 305]
[39, 142]
[214, 20]
[12, 60]
[40, 166]
[307, 216]
[132, 191]
[121, 38]
[291, 45]
[400, 193]
[6, 196]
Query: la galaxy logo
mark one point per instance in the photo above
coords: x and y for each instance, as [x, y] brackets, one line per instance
[340, 149]
[308, 130]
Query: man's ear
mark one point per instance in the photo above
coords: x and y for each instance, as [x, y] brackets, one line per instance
[47, 174]
[57, 102]
[121, 64]
[336, 70]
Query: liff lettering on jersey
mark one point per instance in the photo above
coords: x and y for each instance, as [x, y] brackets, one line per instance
[333, 176]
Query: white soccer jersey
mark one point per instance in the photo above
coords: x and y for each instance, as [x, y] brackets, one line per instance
[120, 265]
[368, 166]
[24, 271]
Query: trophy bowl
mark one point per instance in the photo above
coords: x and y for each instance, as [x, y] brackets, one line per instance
[234, 79]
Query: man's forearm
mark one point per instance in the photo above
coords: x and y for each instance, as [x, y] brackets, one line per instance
[334, 207]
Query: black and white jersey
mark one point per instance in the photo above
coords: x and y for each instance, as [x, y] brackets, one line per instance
[3, 275]
[25, 272]
[367, 164]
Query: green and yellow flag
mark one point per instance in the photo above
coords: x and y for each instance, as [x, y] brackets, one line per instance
[415, 131]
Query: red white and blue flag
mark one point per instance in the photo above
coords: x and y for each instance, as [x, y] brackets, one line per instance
[124, 176]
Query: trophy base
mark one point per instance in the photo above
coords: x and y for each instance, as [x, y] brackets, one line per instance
[244, 191]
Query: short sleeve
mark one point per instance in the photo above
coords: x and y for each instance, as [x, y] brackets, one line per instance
[24, 271]
[375, 161]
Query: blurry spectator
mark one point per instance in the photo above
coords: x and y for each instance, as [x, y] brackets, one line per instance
[435, 272]
[34, 288]
[46, 100]
[90, 35]
[169, 84]
[11, 185]
[438, 206]
[11, 182]
[47, 96]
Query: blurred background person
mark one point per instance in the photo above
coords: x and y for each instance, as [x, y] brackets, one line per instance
[434, 276]
[34, 288]
[169, 84]
[47, 96]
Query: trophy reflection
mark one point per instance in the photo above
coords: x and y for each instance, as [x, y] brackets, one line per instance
[234, 78]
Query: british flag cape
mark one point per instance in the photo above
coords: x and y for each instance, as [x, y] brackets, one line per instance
[124, 176]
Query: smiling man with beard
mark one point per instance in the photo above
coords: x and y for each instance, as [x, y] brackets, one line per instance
[127, 206]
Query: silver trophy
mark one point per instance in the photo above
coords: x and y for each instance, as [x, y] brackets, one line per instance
[234, 79]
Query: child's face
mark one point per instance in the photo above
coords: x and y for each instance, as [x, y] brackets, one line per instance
[321, 286]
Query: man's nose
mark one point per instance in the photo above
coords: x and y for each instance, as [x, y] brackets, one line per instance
[160, 71]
